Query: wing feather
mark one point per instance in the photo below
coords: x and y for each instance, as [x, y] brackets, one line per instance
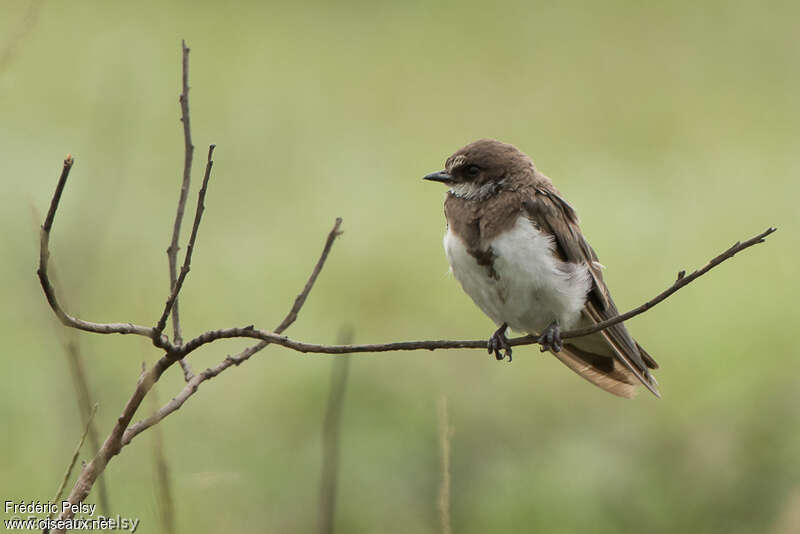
[550, 212]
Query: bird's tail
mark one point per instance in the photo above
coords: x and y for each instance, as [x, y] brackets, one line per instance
[603, 371]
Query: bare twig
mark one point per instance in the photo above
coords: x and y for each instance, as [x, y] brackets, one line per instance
[80, 381]
[49, 291]
[445, 435]
[191, 387]
[172, 250]
[68, 472]
[113, 443]
[291, 317]
[330, 438]
[122, 434]
[682, 280]
[187, 260]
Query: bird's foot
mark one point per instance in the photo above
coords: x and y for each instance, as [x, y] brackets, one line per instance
[551, 338]
[499, 342]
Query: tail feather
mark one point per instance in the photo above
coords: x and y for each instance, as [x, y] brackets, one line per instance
[602, 371]
[643, 376]
[648, 360]
[625, 349]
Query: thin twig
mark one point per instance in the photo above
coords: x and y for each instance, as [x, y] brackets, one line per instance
[49, 291]
[445, 435]
[187, 260]
[291, 317]
[113, 443]
[172, 250]
[682, 280]
[68, 472]
[75, 360]
[191, 387]
[331, 426]
[123, 432]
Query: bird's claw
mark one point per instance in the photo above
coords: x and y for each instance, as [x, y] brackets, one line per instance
[550, 339]
[499, 342]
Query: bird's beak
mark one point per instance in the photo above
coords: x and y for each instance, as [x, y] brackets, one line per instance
[439, 176]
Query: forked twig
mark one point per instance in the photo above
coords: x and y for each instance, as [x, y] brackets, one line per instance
[47, 287]
[188, 154]
[187, 260]
[191, 387]
[82, 391]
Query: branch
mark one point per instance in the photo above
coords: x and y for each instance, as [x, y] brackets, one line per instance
[275, 337]
[172, 250]
[148, 378]
[113, 443]
[49, 291]
[682, 281]
[291, 317]
[191, 387]
[81, 383]
[187, 260]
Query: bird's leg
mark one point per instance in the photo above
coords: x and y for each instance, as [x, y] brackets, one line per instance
[551, 338]
[499, 342]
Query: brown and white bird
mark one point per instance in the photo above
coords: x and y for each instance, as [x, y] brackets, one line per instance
[515, 246]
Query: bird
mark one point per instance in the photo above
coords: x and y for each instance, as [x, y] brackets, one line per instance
[516, 247]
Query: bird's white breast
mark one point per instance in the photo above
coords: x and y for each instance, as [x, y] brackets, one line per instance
[530, 287]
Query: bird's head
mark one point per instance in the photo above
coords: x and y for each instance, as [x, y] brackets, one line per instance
[481, 165]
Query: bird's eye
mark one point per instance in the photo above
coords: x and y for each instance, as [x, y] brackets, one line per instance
[473, 170]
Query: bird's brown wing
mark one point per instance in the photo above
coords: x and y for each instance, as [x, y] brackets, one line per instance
[552, 214]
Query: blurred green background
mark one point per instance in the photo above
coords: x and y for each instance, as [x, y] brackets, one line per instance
[672, 128]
